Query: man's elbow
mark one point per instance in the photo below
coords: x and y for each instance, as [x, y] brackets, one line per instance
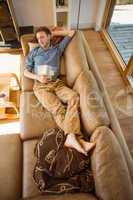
[25, 72]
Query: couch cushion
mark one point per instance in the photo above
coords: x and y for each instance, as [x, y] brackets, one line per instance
[78, 196]
[75, 60]
[32, 45]
[29, 160]
[112, 179]
[10, 167]
[34, 118]
[29, 187]
[62, 169]
[93, 112]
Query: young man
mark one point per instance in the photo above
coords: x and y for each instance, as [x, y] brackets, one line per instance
[52, 92]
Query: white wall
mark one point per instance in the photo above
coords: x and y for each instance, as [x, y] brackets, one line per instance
[34, 12]
[100, 13]
[88, 13]
[40, 12]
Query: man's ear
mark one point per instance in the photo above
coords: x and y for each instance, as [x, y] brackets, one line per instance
[50, 36]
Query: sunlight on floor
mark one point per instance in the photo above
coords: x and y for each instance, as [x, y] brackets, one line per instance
[10, 128]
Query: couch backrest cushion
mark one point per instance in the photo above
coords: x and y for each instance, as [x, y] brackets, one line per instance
[93, 112]
[75, 59]
[111, 174]
[25, 39]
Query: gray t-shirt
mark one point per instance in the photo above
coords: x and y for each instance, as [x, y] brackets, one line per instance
[38, 56]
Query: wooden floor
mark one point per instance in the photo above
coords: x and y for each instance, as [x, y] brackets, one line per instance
[122, 35]
[121, 100]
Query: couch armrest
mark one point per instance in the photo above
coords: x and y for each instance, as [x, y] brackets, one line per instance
[26, 83]
[10, 167]
[112, 179]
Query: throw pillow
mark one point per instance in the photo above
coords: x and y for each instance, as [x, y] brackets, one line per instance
[32, 45]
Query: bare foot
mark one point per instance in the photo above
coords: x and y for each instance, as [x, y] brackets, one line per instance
[72, 142]
[87, 145]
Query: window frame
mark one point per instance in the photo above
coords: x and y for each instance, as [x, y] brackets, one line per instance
[123, 68]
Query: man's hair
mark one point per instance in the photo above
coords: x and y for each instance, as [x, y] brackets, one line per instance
[44, 29]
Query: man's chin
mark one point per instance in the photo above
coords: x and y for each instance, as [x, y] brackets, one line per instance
[44, 46]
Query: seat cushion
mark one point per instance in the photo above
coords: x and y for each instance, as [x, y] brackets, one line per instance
[77, 196]
[29, 160]
[29, 188]
[112, 179]
[93, 112]
[34, 119]
[10, 167]
[62, 169]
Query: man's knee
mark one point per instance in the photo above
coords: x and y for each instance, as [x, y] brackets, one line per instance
[74, 99]
[35, 89]
[37, 92]
[75, 96]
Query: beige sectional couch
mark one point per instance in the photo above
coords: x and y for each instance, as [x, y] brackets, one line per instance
[111, 165]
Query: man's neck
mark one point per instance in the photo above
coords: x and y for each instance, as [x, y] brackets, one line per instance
[46, 47]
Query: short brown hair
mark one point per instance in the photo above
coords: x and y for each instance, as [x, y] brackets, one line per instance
[44, 29]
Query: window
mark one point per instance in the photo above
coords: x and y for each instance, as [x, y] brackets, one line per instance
[120, 28]
[118, 33]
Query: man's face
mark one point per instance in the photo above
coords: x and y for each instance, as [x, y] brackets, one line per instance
[43, 39]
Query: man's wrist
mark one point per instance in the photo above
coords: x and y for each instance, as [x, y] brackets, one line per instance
[35, 76]
[57, 33]
[63, 33]
[71, 33]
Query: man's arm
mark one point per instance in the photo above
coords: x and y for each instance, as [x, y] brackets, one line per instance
[40, 78]
[69, 33]
[30, 75]
[29, 67]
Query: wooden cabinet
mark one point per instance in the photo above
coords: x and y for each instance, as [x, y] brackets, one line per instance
[61, 13]
[9, 30]
[74, 13]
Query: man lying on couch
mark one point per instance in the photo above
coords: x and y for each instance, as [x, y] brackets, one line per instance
[42, 65]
